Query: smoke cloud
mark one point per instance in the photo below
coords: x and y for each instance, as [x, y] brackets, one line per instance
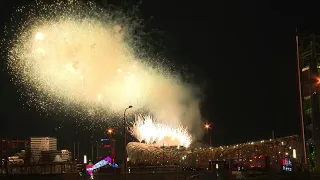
[71, 53]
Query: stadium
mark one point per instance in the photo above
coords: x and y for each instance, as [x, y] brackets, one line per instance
[279, 153]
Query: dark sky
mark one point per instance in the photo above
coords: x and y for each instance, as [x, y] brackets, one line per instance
[241, 52]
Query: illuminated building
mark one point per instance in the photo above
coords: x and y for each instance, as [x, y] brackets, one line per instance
[107, 148]
[248, 155]
[37, 145]
[309, 86]
[66, 155]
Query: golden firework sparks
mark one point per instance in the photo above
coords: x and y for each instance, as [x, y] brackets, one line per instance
[146, 129]
[70, 55]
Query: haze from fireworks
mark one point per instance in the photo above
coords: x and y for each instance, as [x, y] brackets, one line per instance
[70, 55]
[147, 130]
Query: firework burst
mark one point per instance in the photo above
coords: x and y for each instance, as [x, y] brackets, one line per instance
[146, 129]
[70, 53]
[83, 60]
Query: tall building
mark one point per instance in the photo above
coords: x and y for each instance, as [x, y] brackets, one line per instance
[309, 67]
[3, 149]
[107, 148]
[40, 144]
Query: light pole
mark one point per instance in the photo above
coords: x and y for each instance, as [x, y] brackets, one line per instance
[113, 146]
[207, 127]
[125, 141]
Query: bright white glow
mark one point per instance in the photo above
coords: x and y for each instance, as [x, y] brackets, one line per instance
[84, 159]
[39, 36]
[147, 130]
[294, 153]
[217, 166]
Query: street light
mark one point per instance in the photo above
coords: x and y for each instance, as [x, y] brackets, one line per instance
[110, 131]
[300, 103]
[207, 127]
[125, 140]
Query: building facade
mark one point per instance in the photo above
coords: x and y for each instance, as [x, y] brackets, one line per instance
[66, 155]
[37, 145]
[272, 153]
[56, 156]
[309, 67]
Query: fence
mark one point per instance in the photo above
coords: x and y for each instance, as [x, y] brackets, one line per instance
[41, 168]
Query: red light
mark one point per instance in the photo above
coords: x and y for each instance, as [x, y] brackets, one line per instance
[106, 145]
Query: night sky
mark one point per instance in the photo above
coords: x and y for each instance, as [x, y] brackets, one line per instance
[241, 53]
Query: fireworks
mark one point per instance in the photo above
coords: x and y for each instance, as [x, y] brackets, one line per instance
[79, 56]
[81, 59]
[147, 130]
